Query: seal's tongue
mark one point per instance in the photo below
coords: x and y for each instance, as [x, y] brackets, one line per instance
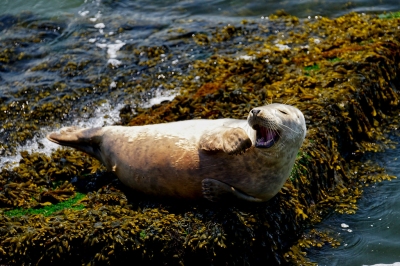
[265, 137]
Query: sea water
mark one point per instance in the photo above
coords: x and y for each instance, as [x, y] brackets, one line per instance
[220, 8]
[372, 235]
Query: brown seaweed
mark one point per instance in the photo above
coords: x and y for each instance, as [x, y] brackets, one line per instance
[342, 73]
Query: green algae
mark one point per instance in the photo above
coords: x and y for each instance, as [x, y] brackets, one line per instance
[314, 67]
[49, 209]
[391, 15]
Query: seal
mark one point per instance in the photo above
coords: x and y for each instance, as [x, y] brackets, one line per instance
[219, 159]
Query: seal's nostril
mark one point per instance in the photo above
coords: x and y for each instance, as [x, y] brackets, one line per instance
[255, 111]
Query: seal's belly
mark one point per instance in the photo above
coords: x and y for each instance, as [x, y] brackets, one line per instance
[164, 166]
[175, 167]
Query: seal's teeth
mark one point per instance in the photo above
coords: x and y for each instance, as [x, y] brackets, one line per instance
[266, 137]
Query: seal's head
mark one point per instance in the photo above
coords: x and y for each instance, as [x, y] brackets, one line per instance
[276, 126]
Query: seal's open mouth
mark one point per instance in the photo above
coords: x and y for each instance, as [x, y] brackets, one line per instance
[265, 137]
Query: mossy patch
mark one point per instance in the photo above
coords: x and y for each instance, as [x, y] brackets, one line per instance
[49, 208]
[390, 15]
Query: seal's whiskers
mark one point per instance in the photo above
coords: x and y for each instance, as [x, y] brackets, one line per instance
[282, 126]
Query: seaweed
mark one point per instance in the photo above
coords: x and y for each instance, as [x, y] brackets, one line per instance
[342, 73]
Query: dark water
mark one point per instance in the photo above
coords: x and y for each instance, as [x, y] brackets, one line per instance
[160, 9]
[87, 32]
[372, 235]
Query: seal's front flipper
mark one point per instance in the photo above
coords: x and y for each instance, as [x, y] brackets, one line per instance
[229, 140]
[86, 140]
[215, 190]
[236, 141]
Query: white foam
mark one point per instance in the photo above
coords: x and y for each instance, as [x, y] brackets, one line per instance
[112, 49]
[160, 96]
[100, 26]
[33, 145]
[114, 62]
[101, 45]
[282, 47]
[104, 115]
[83, 13]
[246, 57]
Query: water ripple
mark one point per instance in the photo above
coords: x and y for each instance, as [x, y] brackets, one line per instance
[375, 230]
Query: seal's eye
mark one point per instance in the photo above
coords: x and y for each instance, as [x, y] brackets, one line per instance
[283, 112]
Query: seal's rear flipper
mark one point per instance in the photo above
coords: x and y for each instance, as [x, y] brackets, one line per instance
[215, 190]
[86, 140]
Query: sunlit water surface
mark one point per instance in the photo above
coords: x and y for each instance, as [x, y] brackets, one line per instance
[224, 8]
